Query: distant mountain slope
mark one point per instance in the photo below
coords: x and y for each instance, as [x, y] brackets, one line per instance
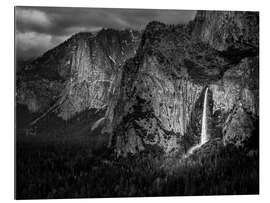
[81, 73]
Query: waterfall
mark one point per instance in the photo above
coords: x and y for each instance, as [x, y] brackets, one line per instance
[204, 137]
[98, 123]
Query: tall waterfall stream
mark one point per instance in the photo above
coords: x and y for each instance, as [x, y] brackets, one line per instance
[204, 135]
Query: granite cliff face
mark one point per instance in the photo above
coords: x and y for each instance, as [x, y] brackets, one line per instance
[80, 74]
[160, 102]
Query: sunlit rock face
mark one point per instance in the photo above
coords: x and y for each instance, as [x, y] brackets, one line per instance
[157, 94]
[81, 73]
[160, 102]
[157, 110]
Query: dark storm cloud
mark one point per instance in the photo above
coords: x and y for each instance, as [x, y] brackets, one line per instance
[41, 28]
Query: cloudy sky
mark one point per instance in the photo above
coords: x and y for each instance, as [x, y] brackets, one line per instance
[38, 29]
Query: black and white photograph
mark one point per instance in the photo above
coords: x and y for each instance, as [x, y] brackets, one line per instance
[125, 102]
